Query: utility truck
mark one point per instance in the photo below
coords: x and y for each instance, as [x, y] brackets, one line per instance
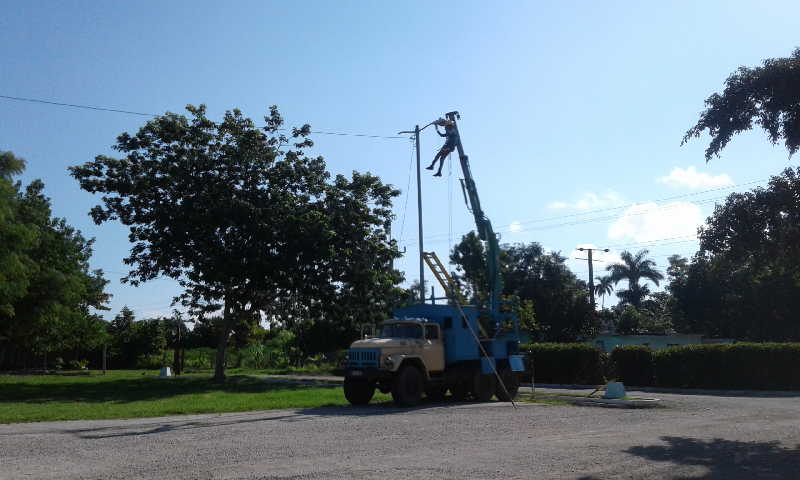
[431, 349]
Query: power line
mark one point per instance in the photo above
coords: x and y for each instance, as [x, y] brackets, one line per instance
[145, 114]
[434, 238]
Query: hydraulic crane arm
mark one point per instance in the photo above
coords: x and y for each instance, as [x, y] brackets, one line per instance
[483, 224]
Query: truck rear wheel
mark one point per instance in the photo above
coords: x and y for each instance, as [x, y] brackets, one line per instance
[358, 391]
[460, 390]
[511, 381]
[483, 387]
[436, 394]
[407, 387]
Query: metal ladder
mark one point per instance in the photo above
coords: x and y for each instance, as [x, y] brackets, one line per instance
[444, 278]
[448, 284]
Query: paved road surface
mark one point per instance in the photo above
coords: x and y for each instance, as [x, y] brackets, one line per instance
[712, 437]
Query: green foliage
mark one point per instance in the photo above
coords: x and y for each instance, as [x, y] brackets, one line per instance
[737, 366]
[634, 365]
[248, 225]
[743, 283]
[568, 363]
[768, 95]
[10, 165]
[603, 287]
[47, 292]
[529, 274]
[632, 269]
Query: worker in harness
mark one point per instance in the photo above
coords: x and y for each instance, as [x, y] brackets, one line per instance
[451, 138]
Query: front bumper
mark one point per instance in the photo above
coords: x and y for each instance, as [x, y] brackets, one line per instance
[367, 373]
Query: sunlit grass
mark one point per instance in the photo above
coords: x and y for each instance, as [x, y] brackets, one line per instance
[135, 394]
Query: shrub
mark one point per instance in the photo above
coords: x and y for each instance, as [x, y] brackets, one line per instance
[741, 365]
[77, 364]
[633, 365]
[575, 363]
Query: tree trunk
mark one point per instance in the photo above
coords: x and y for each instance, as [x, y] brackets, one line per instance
[225, 331]
[219, 360]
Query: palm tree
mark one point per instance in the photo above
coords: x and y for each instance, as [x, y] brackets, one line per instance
[634, 268]
[10, 165]
[604, 286]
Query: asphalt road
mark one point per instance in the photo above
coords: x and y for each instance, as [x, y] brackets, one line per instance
[695, 436]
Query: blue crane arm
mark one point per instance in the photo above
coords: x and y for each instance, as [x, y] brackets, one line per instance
[484, 226]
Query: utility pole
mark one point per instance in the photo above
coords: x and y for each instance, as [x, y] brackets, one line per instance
[416, 132]
[591, 270]
[419, 218]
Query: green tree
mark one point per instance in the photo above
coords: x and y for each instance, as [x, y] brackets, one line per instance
[48, 295]
[10, 165]
[534, 278]
[744, 281]
[632, 269]
[249, 225]
[603, 287]
[768, 95]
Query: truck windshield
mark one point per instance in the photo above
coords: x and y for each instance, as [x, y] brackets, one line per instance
[401, 330]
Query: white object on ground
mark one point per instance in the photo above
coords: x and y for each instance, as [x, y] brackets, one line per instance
[165, 372]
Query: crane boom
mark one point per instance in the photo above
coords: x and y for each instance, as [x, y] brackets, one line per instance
[484, 226]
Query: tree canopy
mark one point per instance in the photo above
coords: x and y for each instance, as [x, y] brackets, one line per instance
[538, 280]
[744, 281]
[768, 96]
[250, 226]
[48, 295]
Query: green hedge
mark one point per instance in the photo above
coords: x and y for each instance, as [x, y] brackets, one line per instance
[633, 365]
[742, 365]
[571, 363]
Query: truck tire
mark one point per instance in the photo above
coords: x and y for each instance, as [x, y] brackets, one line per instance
[436, 394]
[460, 390]
[483, 387]
[358, 391]
[511, 382]
[407, 387]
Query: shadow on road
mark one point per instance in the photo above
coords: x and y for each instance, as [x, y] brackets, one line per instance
[299, 415]
[725, 459]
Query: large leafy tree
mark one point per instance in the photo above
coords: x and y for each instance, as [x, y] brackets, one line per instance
[745, 280]
[768, 96]
[48, 295]
[250, 226]
[634, 268]
[535, 279]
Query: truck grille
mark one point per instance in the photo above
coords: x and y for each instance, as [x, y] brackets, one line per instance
[363, 358]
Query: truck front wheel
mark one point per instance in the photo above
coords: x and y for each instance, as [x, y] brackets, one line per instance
[358, 391]
[407, 387]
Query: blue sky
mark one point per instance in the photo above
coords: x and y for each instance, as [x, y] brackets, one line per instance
[567, 107]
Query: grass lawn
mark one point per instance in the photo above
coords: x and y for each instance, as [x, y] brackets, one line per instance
[133, 394]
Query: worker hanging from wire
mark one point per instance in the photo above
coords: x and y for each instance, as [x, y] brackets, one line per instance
[451, 137]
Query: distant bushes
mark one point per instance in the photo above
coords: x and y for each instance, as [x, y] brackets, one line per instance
[633, 365]
[743, 365]
[753, 366]
[576, 363]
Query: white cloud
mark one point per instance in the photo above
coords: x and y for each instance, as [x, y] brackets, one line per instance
[590, 201]
[515, 227]
[646, 222]
[691, 178]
